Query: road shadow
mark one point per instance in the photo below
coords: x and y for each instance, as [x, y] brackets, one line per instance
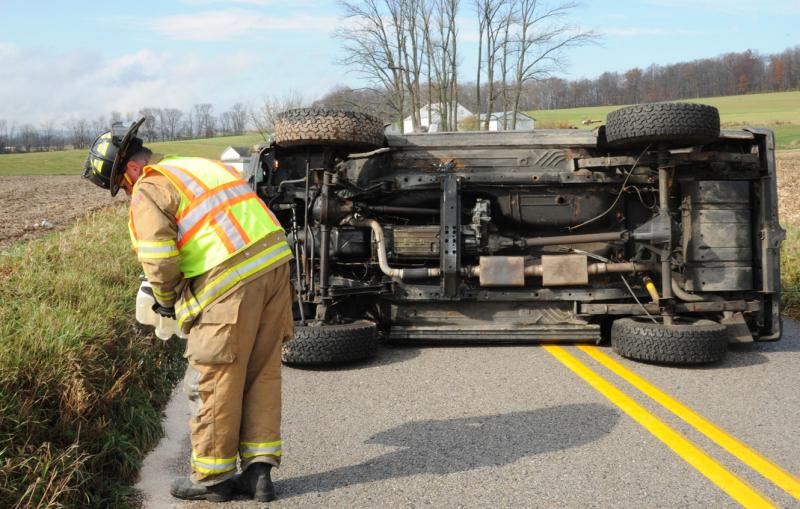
[738, 356]
[442, 447]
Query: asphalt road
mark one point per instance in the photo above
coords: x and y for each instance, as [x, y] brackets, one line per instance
[527, 426]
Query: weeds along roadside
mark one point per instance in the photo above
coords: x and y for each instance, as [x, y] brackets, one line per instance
[790, 272]
[80, 385]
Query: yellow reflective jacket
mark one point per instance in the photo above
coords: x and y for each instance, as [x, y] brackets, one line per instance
[209, 218]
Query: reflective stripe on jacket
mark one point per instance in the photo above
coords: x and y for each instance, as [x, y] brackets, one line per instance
[264, 255]
[219, 214]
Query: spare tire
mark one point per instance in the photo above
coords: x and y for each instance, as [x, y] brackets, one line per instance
[687, 341]
[319, 345]
[671, 124]
[323, 126]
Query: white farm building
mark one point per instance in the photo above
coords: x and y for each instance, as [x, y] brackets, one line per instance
[238, 157]
[524, 122]
[431, 124]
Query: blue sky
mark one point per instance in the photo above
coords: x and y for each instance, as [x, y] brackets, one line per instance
[63, 59]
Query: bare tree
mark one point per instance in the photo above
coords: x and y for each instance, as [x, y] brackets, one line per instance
[490, 16]
[28, 138]
[46, 133]
[150, 129]
[4, 135]
[225, 124]
[451, 14]
[204, 120]
[99, 126]
[366, 100]
[414, 53]
[441, 36]
[263, 117]
[79, 132]
[373, 45]
[187, 129]
[481, 31]
[544, 34]
[169, 121]
[238, 118]
[427, 8]
[506, 51]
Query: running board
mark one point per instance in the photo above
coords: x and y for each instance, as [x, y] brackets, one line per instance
[496, 333]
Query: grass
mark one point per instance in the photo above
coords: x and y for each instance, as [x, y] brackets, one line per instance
[779, 111]
[80, 384]
[787, 136]
[790, 272]
[70, 162]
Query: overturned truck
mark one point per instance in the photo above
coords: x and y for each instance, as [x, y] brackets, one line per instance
[657, 230]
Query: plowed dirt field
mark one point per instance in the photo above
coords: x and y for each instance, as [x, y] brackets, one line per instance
[789, 186]
[30, 206]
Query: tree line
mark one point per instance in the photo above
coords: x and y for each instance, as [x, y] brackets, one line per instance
[729, 74]
[161, 124]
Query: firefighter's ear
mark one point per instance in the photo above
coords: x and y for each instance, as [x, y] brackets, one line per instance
[134, 166]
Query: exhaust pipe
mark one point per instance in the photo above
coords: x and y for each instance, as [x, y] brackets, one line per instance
[383, 259]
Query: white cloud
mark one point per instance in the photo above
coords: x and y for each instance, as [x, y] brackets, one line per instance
[51, 85]
[224, 24]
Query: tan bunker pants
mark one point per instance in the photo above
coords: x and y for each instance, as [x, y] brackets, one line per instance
[234, 377]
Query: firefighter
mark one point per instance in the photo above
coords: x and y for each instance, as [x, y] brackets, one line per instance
[217, 260]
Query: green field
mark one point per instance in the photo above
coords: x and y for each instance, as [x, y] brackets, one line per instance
[70, 162]
[778, 111]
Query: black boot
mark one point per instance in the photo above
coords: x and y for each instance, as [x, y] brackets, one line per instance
[256, 482]
[186, 489]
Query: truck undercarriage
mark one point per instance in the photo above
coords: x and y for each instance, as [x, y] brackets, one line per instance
[655, 228]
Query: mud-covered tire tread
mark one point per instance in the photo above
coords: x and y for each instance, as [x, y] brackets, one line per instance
[674, 124]
[696, 342]
[325, 126]
[330, 344]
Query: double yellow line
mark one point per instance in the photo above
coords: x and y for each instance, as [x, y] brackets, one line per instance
[736, 488]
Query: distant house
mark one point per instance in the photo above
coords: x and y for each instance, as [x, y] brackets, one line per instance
[433, 123]
[524, 122]
[392, 129]
[238, 157]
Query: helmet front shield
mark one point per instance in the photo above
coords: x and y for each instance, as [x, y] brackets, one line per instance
[123, 135]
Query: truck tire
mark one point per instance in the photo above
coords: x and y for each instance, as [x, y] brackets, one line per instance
[688, 341]
[323, 126]
[320, 345]
[671, 124]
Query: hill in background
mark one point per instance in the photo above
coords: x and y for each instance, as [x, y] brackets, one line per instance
[779, 111]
